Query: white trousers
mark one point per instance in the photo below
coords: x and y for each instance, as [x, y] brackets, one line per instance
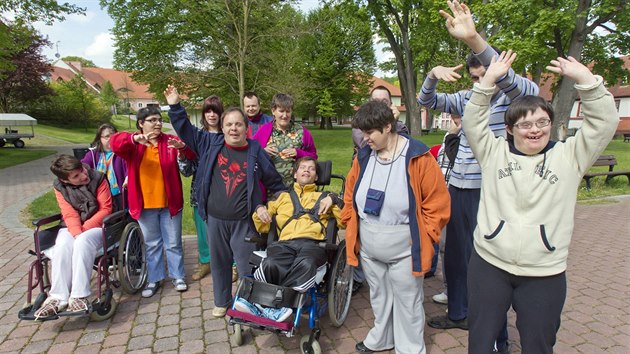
[72, 259]
[395, 294]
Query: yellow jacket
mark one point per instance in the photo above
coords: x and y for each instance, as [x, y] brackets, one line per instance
[302, 227]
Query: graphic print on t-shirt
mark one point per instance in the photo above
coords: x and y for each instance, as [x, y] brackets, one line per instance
[232, 173]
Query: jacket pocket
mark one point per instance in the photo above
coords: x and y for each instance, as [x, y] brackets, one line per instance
[520, 244]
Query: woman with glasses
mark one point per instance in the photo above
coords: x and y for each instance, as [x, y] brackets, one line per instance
[528, 194]
[100, 157]
[155, 195]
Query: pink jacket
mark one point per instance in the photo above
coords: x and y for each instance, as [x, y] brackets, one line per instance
[308, 144]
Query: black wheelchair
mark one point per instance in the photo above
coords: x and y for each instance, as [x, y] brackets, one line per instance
[331, 293]
[120, 262]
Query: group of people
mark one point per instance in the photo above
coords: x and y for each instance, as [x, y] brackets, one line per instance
[500, 205]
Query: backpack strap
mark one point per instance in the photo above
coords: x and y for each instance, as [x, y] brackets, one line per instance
[299, 210]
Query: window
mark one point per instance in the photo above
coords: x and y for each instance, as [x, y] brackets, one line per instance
[139, 104]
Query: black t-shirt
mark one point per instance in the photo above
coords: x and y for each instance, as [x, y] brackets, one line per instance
[228, 185]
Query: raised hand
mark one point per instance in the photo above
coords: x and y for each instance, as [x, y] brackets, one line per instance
[145, 139]
[176, 144]
[572, 69]
[460, 25]
[171, 95]
[448, 74]
[499, 66]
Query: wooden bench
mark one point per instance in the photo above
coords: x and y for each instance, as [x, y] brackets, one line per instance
[626, 137]
[605, 160]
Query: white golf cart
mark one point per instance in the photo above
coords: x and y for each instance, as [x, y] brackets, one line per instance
[14, 127]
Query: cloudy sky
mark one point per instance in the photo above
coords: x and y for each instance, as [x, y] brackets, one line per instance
[88, 35]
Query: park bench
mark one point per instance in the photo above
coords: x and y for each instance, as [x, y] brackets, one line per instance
[626, 137]
[605, 160]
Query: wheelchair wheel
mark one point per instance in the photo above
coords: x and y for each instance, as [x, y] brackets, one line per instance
[104, 309]
[314, 348]
[339, 287]
[237, 337]
[132, 265]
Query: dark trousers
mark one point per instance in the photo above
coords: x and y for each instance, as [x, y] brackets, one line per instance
[226, 239]
[292, 263]
[457, 250]
[537, 301]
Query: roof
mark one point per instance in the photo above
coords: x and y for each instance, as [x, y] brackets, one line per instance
[16, 119]
[547, 81]
[96, 77]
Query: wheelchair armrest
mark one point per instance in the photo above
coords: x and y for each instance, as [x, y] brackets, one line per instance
[46, 220]
[115, 218]
[257, 239]
[330, 243]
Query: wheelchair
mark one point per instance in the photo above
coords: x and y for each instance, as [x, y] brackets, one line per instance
[332, 291]
[120, 262]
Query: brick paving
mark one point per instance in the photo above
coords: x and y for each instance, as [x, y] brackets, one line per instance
[596, 317]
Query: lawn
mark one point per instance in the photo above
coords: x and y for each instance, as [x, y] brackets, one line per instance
[336, 145]
[10, 156]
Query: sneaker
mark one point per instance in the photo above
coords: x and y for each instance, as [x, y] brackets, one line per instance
[440, 298]
[443, 322]
[50, 308]
[151, 289]
[201, 271]
[278, 315]
[180, 285]
[234, 273]
[219, 311]
[245, 306]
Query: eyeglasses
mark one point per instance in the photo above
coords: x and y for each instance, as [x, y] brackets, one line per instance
[154, 120]
[541, 123]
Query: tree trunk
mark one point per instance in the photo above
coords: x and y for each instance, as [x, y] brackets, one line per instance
[566, 95]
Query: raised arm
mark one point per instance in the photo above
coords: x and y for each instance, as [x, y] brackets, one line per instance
[443, 102]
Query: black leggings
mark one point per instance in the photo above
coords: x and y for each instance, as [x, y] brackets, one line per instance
[537, 301]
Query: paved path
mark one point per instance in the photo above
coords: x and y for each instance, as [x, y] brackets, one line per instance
[596, 316]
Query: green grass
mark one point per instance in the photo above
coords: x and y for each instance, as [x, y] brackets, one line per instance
[10, 156]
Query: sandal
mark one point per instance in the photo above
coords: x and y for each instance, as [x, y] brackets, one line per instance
[50, 308]
[78, 305]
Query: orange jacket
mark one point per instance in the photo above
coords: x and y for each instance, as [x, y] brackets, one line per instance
[72, 218]
[429, 205]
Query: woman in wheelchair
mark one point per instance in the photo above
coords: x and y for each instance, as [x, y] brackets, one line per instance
[85, 200]
[293, 261]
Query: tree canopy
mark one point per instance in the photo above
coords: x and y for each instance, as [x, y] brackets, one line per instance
[86, 63]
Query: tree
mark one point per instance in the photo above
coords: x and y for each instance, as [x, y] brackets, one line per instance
[86, 63]
[109, 97]
[395, 21]
[338, 58]
[590, 31]
[325, 110]
[22, 80]
[47, 11]
[221, 47]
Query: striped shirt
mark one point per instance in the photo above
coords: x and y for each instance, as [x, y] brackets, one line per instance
[466, 172]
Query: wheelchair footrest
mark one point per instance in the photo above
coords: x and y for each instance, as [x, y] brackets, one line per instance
[268, 294]
[255, 321]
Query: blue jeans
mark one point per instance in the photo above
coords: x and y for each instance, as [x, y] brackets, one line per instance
[162, 233]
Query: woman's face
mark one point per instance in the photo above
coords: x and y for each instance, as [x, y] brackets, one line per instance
[152, 124]
[375, 139]
[282, 117]
[106, 134]
[531, 140]
[212, 119]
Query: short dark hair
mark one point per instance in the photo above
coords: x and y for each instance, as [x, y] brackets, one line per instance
[235, 109]
[381, 87]
[297, 163]
[145, 112]
[282, 100]
[521, 106]
[374, 115]
[250, 95]
[96, 143]
[473, 62]
[63, 165]
[214, 104]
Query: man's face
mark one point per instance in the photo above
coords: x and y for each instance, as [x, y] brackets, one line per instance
[306, 173]
[234, 129]
[252, 107]
[381, 95]
[532, 140]
[78, 177]
[476, 74]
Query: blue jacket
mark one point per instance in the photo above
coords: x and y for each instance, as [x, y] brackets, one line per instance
[207, 147]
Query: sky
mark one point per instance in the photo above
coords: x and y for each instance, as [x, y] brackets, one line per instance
[88, 35]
